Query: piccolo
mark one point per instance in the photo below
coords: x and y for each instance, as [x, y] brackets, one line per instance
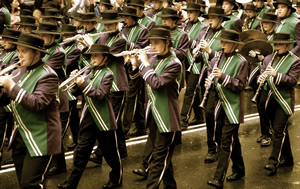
[135, 52]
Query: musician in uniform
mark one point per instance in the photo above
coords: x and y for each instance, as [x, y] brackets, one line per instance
[251, 21]
[281, 73]
[191, 97]
[162, 74]
[157, 7]
[209, 46]
[56, 60]
[104, 6]
[289, 23]
[235, 22]
[4, 16]
[8, 56]
[27, 24]
[32, 96]
[143, 19]
[227, 80]
[97, 120]
[261, 8]
[269, 22]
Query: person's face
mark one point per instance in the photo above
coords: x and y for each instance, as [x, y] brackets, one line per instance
[193, 15]
[139, 11]
[281, 48]
[48, 38]
[111, 27]
[160, 46]
[27, 56]
[26, 29]
[77, 23]
[227, 6]
[88, 26]
[215, 21]
[202, 9]
[7, 44]
[259, 3]
[268, 26]
[98, 59]
[103, 7]
[169, 22]
[157, 5]
[166, 4]
[15, 4]
[228, 47]
[250, 13]
[298, 10]
[283, 10]
[129, 21]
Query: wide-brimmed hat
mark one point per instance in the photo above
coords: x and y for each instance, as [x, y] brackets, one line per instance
[285, 2]
[31, 41]
[201, 3]
[47, 28]
[50, 5]
[163, 26]
[52, 13]
[10, 34]
[170, 13]
[229, 36]
[76, 16]
[269, 17]
[88, 17]
[26, 12]
[250, 6]
[261, 46]
[216, 11]
[233, 2]
[139, 3]
[109, 17]
[282, 38]
[27, 21]
[68, 29]
[129, 11]
[105, 2]
[250, 35]
[98, 49]
[159, 33]
[192, 7]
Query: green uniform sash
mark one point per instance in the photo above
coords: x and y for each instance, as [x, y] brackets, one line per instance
[213, 44]
[157, 19]
[68, 50]
[98, 109]
[133, 35]
[193, 33]
[31, 125]
[261, 13]
[288, 26]
[159, 98]
[145, 21]
[6, 16]
[253, 24]
[8, 56]
[230, 100]
[229, 24]
[280, 93]
[100, 27]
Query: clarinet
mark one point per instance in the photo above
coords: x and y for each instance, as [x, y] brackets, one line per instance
[254, 99]
[210, 77]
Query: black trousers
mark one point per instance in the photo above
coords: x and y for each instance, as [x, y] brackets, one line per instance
[88, 134]
[281, 140]
[192, 98]
[265, 126]
[6, 124]
[31, 171]
[230, 148]
[74, 120]
[162, 147]
[134, 113]
[117, 99]
[213, 129]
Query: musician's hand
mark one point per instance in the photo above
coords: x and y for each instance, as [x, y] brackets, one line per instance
[207, 83]
[134, 61]
[270, 71]
[7, 82]
[144, 58]
[216, 72]
[262, 78]
[204, 45]
[74, 72]
[126, 59]
[252, 54]
[260, 57]
[79, 80]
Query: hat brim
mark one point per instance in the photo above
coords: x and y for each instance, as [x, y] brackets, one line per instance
[282, 42]
[227, 40]
[56, 17]
[128, 14]
[99, 20]
[225, 18]
[25, 24]
[169, 16]
[191, 9]
[45, 32]
[252, 35]
[9, 37]
[87, 20]
[29, 46]
[261, 45]
[68, 32]
[159, 37]
[267, 20]
[276, 4]
[135, 4]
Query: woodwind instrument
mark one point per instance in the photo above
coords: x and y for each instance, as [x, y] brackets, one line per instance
[135, 52]
[211, 78]
[261, 84]
[198, 47]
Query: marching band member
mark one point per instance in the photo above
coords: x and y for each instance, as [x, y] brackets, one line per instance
[162, 74]
[281, 73]
[97, 120]
[269, 22]
[27, 24]
[191, 97]
[228, 80]
[251, 21]
[235, 22]
[157, 7]
[104, 6]
[261, 8]
[37, 133]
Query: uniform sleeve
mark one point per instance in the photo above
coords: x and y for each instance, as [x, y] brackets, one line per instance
[168, 76]
[142, 41]
[238, 25]
[118, 47]
[102, 91]
[182, 48]
[290, 79]
[44, 93]
[73, 61]
[57, 60]
[296, 49]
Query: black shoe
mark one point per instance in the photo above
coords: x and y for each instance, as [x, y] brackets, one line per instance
[56, 170]
[266, 141]
[72, 146]
[123, 155]
[196, 122]
[215, 183]
[210, 158]
[286, 163]
[141, 172]
[270, 167]
[137, 132]
[234, 177]
[111, 184]
[184, 125]
[96, 159]
[8, 161]
[258, 140]
[65, 185]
